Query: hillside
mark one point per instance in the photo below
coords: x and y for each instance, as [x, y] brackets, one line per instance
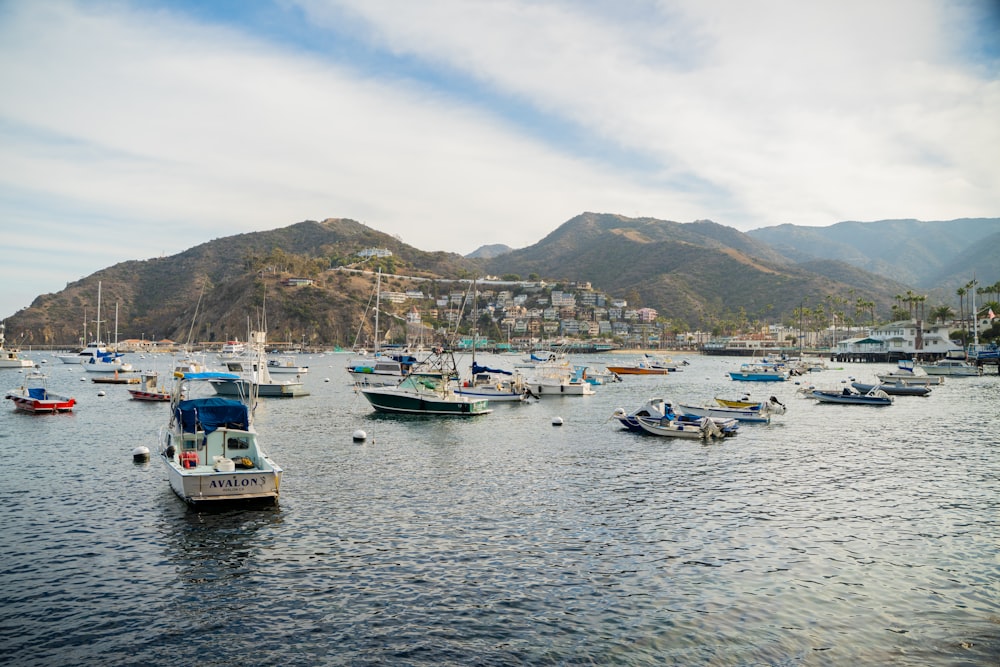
[697, 275]
[938, 255]
[695, 272]
[209, 292]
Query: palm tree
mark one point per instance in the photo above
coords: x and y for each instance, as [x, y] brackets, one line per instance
[961, 291]
[942, 313]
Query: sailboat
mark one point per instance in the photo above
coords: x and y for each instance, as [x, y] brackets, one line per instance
[106, 361]
[492, 384]
[381, 369]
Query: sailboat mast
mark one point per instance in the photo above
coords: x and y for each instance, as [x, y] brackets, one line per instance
[98, 320]
[475, 322]
[378, 294]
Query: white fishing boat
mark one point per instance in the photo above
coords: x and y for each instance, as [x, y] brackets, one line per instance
[907, 373]
[558, 379]
[210, 447]
[84, 355]
[950, 368]
[232, 349]
[251, 372]
[9, 358]
[285, 365]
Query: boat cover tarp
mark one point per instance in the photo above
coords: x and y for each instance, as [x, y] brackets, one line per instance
[476, 369]
[211, 414]
[211, 376]
[37, 393]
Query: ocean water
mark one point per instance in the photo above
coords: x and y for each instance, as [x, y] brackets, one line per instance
[834, 535]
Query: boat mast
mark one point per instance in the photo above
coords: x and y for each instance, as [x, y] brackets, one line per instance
[98, 320]
[475, 322]
[378, 294]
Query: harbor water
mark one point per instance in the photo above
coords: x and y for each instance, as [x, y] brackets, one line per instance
[834, 535]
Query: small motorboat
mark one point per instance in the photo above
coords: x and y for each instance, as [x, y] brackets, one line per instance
[850, 396]
[151, 390]
[897, 388]
[754, 412]
[34, 397]
[657, 416]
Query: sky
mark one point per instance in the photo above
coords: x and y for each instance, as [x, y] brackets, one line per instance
[134, 129]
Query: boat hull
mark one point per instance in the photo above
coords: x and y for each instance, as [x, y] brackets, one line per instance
[484, 393]
[893, 389]
[631, 370]
[757, 377]
[748, 415]
[952, 371]
[204, 485]
[15, 362]
[140, 395]
[853, 399]
[911, 379]
[241, 387]
[674, 429]
[541, 389]
[54, 403]
[392, 400]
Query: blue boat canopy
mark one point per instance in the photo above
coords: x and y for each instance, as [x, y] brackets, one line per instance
[211, 414]
[476, 368]
[210, 376]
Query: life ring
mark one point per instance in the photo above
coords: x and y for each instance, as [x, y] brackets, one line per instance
[189, 460]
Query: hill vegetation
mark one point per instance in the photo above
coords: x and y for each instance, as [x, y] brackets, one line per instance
[698, 275]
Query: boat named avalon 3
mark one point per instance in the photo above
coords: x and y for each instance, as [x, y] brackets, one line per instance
[210, 447]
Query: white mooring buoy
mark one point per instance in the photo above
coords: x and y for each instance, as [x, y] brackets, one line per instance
[101, 393]
[140, 454]
[360, 436]
[557, 421]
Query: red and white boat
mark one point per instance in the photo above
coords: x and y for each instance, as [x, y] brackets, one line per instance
[34, 397]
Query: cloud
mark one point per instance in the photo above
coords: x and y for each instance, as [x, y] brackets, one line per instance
[140, 129]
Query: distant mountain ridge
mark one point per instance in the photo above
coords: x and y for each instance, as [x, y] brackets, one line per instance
[698, 273]
[489, 251]
[941, 255]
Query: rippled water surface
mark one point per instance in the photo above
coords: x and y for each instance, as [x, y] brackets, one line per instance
[835, 535]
